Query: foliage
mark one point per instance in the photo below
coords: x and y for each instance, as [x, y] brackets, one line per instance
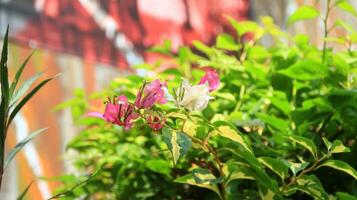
[12, 101]
[282, 124]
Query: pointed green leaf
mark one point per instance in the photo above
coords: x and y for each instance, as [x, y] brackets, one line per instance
[296, 167]
[344, 5]
[345, 196]
[244, 27]
[24, 87]
[4, 88]
[306, 143]
[235, 171]
[159, 166]
[4, 70]
[277, 166]
[27, 98]
[348, 27]
[177, 142]
[280, 101]
[190, 128]
[225, 41]
[225, 130]
[340, 165]
[277, 123]
[303, 13]
[201, 178]
[20, 145]
[267, 194]
[312, 186]
[18, 75]
[23, 194]
[176, 115]
[202, 47]
[306, 70]
[255, 167]
[75, 186]
[327, 143]
[338, 147]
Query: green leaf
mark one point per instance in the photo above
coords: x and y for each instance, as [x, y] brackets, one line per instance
[311, 185]
[202, 47]
[277, 166]
[159, 166]
[338, 147]
[177, 142]
[235, 171]
[306, 143]
[4, 70]
[18, 75]
[262, 178]
[176, 115]
[345, 196]
[77, 185]
[225, 41]
[340, 165]
[267, 194]
[306, 70]
[20, 145]
[344, 5]
[225, 130]
[327, 143]
[301, 40]
[201, 178]
[348, 27]
[279, 100]
[190, 128]
[303, 13]
[23, 194]
[4, 93]
[275, 122]
[27, 98]
[244, 27]
[296, 167]
[24, 87]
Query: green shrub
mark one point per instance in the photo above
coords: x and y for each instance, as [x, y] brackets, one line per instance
[280, 125]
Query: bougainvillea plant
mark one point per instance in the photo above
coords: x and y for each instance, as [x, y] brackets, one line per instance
[189, 97]
[239, 120]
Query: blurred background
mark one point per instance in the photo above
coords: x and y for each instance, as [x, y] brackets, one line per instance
[93, 41]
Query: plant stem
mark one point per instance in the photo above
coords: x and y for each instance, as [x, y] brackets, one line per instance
[312, 168]
[241, 98]
[215, 156]
[2, 148]
[326, 30]
[220, 168]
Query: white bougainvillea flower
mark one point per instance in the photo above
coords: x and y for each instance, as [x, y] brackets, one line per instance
[192, 97]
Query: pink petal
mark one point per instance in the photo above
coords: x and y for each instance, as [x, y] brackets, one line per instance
[138, 98]
[95, 114]
[153, 93]
[111, 112]
[211, 77]
[122, 99]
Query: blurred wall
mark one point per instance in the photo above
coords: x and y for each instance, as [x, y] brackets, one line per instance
[280, 10]
[89, 42]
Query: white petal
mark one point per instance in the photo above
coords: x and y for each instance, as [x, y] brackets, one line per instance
[195, 97]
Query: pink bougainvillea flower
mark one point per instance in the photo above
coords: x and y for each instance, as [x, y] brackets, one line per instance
[155, 122]
[118, 111]
[211, 77]
[151, 93]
